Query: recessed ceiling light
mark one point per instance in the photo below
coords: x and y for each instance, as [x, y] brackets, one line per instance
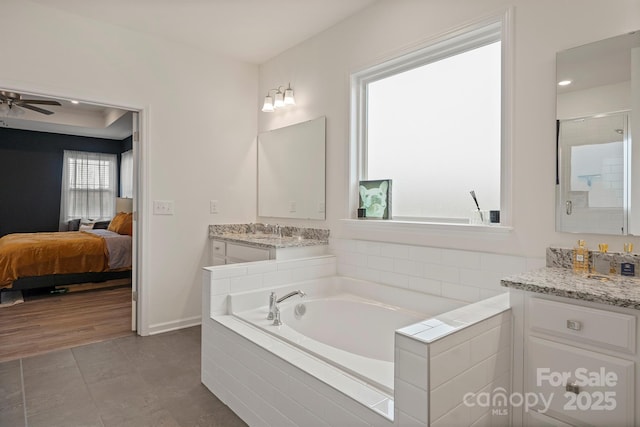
[564, 83]
[75, 102]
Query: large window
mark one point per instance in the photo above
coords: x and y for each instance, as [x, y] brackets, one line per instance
[88, 185]
[431, 121]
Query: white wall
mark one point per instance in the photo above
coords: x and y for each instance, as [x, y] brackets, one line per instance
[319, 70]
[199, 127]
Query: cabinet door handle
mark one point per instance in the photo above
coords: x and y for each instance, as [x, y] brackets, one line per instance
[569, 206]
[574, 325]
[572, 388]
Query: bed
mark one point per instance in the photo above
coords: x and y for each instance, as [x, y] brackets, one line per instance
[29, 260]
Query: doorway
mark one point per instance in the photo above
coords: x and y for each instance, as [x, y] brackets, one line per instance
[114, 116]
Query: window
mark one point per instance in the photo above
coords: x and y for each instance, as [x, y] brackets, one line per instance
[126, 174]
[432, 121]
[88, 186]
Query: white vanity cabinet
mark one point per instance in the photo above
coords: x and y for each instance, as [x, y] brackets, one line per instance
[582, 359]
[232, 253]
[226, 252]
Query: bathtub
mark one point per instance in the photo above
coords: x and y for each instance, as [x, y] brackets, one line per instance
[343, 321]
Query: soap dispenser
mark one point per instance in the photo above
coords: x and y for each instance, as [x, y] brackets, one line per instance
[581, 258]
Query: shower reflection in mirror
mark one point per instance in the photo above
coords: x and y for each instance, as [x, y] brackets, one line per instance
[593, 152]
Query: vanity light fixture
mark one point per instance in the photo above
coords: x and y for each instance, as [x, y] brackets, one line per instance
[564, 83]
[281, 98]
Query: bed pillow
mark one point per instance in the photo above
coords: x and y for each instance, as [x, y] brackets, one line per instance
[122, 223]
[73, 225]
[101, 225]
[85, 227]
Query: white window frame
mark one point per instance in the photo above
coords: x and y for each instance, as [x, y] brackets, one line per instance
[432, 50]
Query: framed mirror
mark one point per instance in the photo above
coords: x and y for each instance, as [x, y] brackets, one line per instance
[291, 171]
[597, 93]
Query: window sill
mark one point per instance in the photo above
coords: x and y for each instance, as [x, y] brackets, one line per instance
[425, 227]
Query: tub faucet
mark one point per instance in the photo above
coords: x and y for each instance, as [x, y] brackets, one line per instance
[289, 295]
[274, 310]
[272, 306]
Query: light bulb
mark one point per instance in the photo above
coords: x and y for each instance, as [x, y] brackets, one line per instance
[288, 96]
[268, 104]
[279, 100]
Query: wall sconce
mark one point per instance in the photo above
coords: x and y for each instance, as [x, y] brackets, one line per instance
[282, 98]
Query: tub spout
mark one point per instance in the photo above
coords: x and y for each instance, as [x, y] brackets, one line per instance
[289, 295]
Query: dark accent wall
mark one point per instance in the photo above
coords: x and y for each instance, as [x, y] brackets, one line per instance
[31, 176]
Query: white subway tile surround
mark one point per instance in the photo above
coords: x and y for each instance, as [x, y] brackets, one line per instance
[466, 275]
[269, 383]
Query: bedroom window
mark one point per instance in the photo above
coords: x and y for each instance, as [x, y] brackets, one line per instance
[433, 122]
[88, 186]
[126, 174]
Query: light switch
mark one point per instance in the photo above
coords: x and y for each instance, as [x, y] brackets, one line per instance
[321, 207]
[163, 207]
[292, 206]
[213, 206]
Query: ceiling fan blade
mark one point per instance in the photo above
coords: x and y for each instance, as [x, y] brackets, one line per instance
[38, 109]
[37, 101]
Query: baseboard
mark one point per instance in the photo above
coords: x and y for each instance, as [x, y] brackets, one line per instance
[174, 325]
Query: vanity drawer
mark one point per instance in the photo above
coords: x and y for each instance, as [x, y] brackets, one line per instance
[241, 253]
[616, 331]
[580, 385]
[218, 248]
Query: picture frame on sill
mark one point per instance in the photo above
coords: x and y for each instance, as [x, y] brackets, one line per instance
[375, 199]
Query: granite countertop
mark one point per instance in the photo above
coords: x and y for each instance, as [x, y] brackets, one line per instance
[621, 291]
[269, 241]
[265, 236]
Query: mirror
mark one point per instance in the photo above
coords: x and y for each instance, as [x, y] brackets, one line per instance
[596, 164]
[291, 171]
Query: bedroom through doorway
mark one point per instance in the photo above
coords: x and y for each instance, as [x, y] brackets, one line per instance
[77, 301]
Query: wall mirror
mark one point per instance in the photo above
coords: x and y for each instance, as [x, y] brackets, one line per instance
[291, 171]
[598, 168]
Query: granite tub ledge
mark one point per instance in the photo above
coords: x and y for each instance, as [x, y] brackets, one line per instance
[621, 291]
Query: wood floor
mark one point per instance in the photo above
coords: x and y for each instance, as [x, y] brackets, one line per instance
[45, 323]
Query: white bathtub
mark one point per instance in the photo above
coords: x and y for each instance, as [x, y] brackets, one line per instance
[345, 323]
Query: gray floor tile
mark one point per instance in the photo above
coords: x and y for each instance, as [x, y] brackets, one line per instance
[124, 397]
[159, 418]
[12, 416]
[10, 385]
[170, 381]
[102, 361]
[48, 361]
[195, 406]
[132, 381]
[68, 414]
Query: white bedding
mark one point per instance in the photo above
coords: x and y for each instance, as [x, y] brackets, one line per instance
[119, 247]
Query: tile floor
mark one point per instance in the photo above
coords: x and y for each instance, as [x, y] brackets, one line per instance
[132, 381]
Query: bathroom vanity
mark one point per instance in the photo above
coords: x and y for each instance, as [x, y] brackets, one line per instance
[235, 243]
[579, 359]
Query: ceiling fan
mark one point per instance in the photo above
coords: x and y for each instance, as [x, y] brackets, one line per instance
[12, 99]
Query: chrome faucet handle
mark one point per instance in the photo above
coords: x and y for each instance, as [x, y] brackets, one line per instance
[272, 305]
[276, 319]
